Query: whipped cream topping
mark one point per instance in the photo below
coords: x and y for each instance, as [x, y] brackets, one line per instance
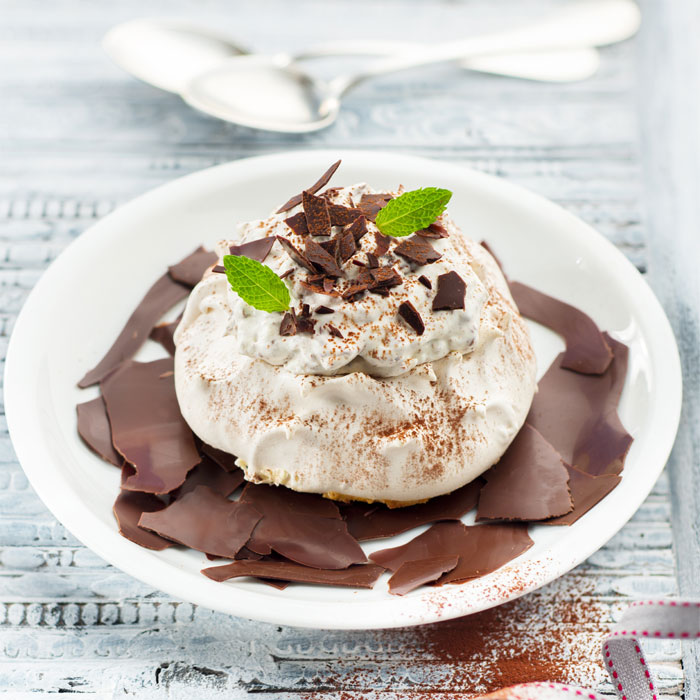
[375, 339]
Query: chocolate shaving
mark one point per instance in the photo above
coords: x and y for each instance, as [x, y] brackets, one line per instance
[306, 325]
[321, 182]
[371, 204]
[219, 269]
[417, 250]
[286, 273]
[355, 291]
[413, 574]
[161, 297]
[323, 310]
[481, 548]
[433, 231]
[321, 259]
[342, 216]
[360, 576]
[450, 292]
[318, 287]
[330, 246]
[382, 244]
[334, 331]
[128, 509]
[372, 260]
[223, 459]
[587, 432]
[209, 473]
[586, 349]
[189, 271]
[425, 282]
[317, 217]
[346, 246]
[410, 314]
[206, 521]
[291, 524]
[298, 224]
[93, 427]
[328, 284]
[147, 426]
[164, 333]
[384, 277]
[586, 492]
[530, 482]
[255, 250]
[375, 521]
[288, 325]
[294, 254]
[358, 228]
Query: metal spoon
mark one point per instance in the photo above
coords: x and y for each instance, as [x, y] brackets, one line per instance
[266, 92]
[170, 53]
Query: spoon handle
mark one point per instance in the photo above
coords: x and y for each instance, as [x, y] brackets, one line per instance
[586, 23]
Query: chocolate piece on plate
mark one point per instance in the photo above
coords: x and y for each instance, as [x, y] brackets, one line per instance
[323, 260]
[305, 528]
[410, 314]
[321, 182]
[298, 257]
[298, 224]
[529, 482]
[206, 521]
[374, 521]
[413, 574]
[161, 297]
[189, 271]
[425, 282]
[371, 204]
[358, 228]
[255, 250]
[577, 414]
[147, 426]
[94, 428]
[586, 492]
[435, 230]
[288, 325]
[417, 250]
[382, 243]
[481, 548]
[334, 331]
[586, 348]
[223, 459]
[318, 219]
[128, 509]
[451, 289]
[209, 473]
[359, 576]
[342, 216]
[164, 334]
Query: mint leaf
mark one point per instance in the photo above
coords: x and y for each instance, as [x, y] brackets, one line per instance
[412, 211]
[256, 283]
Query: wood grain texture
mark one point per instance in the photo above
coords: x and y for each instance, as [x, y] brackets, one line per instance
[78, 138]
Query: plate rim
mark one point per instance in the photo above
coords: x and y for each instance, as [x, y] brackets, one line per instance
[434, 604]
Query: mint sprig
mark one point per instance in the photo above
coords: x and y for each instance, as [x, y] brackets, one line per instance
[256, 283]
[412, 211]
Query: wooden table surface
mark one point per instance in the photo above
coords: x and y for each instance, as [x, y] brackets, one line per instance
[78, 137]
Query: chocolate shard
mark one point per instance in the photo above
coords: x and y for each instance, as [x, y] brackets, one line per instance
[586, 492]
[318, 287]
[161, 297]
[358, 228]
[288, 325]
[318, 218]
[355, 290]
[255, 250]
[323, 310]
[306, 325]
[209, 473]
[425, 282]
[295, 255]
[451, 289]
[372, 261]
[375, 521]
[164, 334]
[298, 224]
[334, 331]
[291, 524]
[147, 426]
[219, 269]
[189, 271]
[371, 204]
[128, 509]
[330, 246]
[94, 429]
[342, 216]
[413, 574]
[586, 348]
[587, 432]
[286, 273]
[328, 285]
[321, 259]
[530, 482]
[346, 246]
[384, 277]
[360, 576]
[417, 250]
[481, 548]
[321, 182]
[382, 244]
[206, 521]
[435, 230]
[223, 459]
[410, 314]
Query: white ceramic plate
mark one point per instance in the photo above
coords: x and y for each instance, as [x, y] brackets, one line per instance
[82, 301]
